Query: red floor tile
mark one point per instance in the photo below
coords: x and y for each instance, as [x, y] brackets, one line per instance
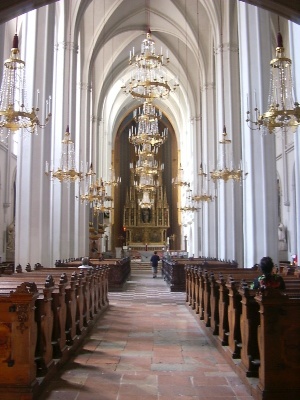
[147, 346]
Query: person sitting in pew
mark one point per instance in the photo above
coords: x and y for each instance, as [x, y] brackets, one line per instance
[85, 264]
[268, 279]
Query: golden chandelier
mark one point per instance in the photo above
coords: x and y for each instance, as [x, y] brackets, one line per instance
[203, 195]
[147, 131]
[224, 173]
[149, 79]
[67, 171]
[179, 180]
[14, 114]
[283, 111]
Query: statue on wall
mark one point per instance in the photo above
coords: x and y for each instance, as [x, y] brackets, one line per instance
[10, 244]
[282, 242]
[146, 215]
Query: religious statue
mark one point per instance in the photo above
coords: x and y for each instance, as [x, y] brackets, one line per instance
[146, 215]
[10, 246]
[282, 242]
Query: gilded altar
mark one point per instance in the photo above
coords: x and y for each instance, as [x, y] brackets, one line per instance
[146, 226]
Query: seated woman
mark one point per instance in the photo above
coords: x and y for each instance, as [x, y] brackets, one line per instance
[268, 279]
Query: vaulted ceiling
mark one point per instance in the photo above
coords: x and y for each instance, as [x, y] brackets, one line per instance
[286, 8]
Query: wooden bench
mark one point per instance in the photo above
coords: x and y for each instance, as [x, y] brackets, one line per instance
[236, 314]
[7, 268]
[231, 300]
[279, 346]
[18, 331]
[177, 272]
[44, 318]
[63, 311]
[195, 284]
[235, 306]
[173, 272]
[88, 288]
[119, 270]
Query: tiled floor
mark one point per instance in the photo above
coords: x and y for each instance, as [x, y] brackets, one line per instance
[147, 346]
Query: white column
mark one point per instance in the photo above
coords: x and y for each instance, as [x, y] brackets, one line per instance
[195, 245]
[229, 201]
[294, 218]
[260, 214]
[32, 213]
[84, 134]
[209, 225]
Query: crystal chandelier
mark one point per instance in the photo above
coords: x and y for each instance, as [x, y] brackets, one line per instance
[146, 163]
[283, 111]
[95, 191]
[67, 170]
[147, 131]
[189, 208]
[102, 206]
[95, 194]
[147, 201]
[189, 203]
[148, 80]
[204, 195]
[91, 184]
[179, 180]
[14, 114]
[145, 149]
[224, 173]
[146, 182]
[113, 180]
[149, 167]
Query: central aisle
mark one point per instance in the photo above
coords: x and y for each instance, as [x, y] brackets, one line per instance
[147, 346]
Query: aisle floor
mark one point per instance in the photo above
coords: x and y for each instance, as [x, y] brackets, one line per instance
[147, 346]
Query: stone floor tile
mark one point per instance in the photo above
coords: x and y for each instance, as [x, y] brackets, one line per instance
[60, 395]
[147, 346]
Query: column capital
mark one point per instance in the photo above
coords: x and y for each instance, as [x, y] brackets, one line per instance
[195, 118]
[228, 47]
[66, 46]
[208, 86]
[84, 86]
[96, 119]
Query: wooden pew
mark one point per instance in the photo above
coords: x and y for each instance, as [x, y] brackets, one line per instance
[211, 296]
[244, 320]
[279, 346]
[227, 308]
[198, 295]
[90, 297]
[249, 322]
[119, 270]
[240, 327]
[73, 300]
[18, 330]
[54, 329]
[230, 307]
[250, 319]
[50, 317]
[97, 289]
[173, 272]
[7, 268]
[195, 284]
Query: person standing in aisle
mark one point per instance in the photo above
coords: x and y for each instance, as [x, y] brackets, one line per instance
[154, 262]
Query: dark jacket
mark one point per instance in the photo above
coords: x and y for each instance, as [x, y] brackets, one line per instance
[154, 260]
